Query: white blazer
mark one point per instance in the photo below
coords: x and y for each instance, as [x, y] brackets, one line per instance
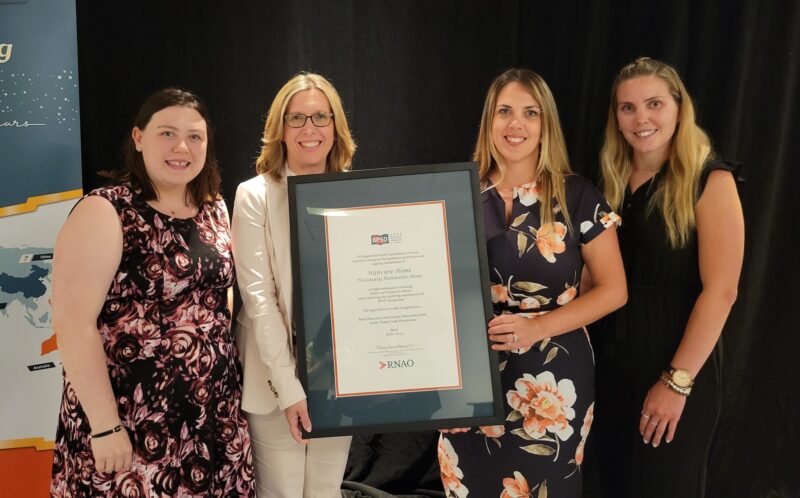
[262, 254]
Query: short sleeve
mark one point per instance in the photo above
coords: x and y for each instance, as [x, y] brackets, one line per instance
[735, 168]
[589, 211]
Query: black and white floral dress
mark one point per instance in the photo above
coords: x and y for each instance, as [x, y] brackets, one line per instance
[549, 387]
[172, 362]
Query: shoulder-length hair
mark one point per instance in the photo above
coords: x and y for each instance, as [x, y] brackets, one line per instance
[272, 158]
[205, 187]
[675, 197]
[553, 164]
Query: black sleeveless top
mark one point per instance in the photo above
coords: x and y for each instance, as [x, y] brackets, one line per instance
[663, 282]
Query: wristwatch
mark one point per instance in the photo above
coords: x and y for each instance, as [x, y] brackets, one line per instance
[680, 378]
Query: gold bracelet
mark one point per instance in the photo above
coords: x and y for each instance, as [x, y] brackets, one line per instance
[683, 391]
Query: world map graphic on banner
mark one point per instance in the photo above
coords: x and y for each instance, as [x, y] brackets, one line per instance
[30, 349]
[22, 293]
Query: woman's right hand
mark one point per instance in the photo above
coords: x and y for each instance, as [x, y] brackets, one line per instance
[112, 453]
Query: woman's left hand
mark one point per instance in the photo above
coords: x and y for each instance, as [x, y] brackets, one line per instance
[511, 332]
[661, 412]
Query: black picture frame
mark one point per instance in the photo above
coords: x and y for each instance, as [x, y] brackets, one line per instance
[478, 402]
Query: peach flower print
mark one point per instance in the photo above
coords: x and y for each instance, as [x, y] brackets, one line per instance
[568, 295]
[608, 219]
[516, 487]
[587, 425]
[491, 433]
[448, 468]
[499, 293]
[550, 240]
[579, 453]
[587, 422]
[529, 303]
[528, 193]
[493, 430]
[545, 405]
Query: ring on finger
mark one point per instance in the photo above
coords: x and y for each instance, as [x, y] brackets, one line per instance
[652, 423]
[645, 416]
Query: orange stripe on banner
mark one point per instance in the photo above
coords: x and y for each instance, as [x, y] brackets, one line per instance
[49, 345]
[40, 444]
[33, 203]
[25, 471]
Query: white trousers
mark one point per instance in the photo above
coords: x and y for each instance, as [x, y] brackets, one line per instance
[285, 469]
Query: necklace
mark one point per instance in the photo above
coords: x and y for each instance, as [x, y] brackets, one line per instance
[185, 211]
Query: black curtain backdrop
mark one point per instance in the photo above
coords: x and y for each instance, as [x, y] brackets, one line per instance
[413, 74]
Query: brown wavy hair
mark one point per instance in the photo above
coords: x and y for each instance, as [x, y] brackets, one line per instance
[205, 187]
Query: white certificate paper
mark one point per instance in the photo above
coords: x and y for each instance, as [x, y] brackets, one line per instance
[391, 299]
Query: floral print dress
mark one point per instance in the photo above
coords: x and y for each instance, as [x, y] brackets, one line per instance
[172, 362]
[549, 387]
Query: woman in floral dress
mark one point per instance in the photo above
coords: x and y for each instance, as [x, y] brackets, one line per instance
[152, 383]
[542, 225]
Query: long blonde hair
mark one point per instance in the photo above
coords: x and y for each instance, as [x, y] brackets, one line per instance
[553, 164]
[273, 151]
[676, 196]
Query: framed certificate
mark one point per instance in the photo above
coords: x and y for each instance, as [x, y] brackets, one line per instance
[391, 300]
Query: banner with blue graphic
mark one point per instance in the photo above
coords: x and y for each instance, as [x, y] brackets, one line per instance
[40, 179]
[40, 152]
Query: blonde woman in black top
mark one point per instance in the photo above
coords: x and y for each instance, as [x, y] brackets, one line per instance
[682, 241]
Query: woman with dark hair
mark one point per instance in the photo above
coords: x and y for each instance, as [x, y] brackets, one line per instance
[543, 223]
[141, 273]
[682, 242]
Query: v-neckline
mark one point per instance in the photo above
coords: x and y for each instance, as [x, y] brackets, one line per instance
[646, 183]
[506, 223]
[641, 185]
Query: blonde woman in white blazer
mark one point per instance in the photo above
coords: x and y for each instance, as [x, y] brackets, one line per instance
[305, 132]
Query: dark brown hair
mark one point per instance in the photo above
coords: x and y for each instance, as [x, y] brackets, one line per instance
[204, 188]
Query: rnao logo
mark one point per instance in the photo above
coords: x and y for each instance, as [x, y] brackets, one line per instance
[395, 364]
[379, 240]
[386, 238]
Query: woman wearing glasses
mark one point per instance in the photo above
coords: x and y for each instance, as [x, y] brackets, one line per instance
[542, 225]
[305, 132]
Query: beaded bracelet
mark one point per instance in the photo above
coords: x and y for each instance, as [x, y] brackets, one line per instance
[106, 433]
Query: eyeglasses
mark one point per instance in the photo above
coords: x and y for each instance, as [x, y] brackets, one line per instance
[319, 119]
